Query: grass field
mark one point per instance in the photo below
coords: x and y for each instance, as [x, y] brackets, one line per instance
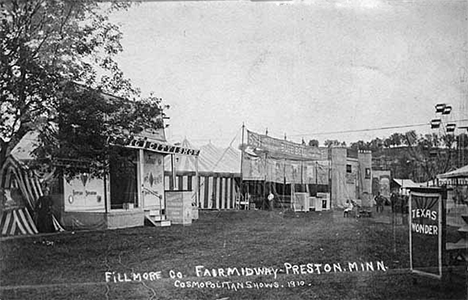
[330, 249]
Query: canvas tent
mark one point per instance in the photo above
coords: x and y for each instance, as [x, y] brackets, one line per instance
[458, 173]
[457, 183]
[216, 171]
[20, 189]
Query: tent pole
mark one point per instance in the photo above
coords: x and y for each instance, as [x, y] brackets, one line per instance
[265, 180]
[241, 185]
[316, 178]
[241, 189]
[140, 177]
[105, 194]
[197, 183]
[173, 172]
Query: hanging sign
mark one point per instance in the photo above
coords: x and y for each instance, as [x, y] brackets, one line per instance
[425, 233]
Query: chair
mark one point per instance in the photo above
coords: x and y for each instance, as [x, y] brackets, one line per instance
[242, 203]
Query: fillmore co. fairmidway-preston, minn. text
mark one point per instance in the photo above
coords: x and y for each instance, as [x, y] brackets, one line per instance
[222, 278]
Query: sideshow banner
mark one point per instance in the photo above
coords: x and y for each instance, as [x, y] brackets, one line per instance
[285, 171]
[153, 185]
[425, 232]
[350, 178]
[285, 149]
[384, 186]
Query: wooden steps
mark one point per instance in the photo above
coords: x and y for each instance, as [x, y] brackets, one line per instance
[155, 218]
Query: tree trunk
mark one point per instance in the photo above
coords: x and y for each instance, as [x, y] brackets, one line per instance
[3, 155]
[3, 151]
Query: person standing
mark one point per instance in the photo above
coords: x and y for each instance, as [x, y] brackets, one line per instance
[379, 201]
[271, 197]
[43, 209]
[393, 201]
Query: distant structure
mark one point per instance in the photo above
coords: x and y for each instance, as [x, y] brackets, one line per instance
[327, 177]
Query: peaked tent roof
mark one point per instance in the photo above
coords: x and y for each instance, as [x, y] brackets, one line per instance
[406, 183]
[212, 159]
[461, 172]
[23, 150]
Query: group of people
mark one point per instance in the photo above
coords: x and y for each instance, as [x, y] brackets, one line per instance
[379, 203]
[398, 203]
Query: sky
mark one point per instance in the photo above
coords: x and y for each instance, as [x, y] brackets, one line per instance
[335, 69]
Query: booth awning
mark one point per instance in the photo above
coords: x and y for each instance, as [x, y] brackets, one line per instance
[154, 146]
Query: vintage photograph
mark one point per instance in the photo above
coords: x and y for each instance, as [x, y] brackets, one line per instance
[234, 149]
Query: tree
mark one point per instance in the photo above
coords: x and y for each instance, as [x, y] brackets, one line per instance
[360, 145]
[314, 143]
[433, 154]
[330, 143]
[86, 120]
[45, 45]
[420, 157]
[375, 144]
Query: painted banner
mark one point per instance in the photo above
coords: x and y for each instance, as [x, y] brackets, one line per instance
[425, 233]
[84, 192]
[285, 149]
[153, 184]
[285, 171]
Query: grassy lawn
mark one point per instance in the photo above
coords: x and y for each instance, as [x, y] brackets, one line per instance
[330, 249]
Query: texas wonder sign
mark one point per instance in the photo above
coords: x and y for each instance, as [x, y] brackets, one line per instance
[425, 231]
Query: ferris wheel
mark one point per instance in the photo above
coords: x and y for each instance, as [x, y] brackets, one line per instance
[446, 122]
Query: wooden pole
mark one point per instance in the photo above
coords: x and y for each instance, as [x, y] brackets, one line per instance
[197, 183]
[173, 172]
[241, 187]
[141, 176]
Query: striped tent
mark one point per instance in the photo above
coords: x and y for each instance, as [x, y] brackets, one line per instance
[16, 219]
[218, 175]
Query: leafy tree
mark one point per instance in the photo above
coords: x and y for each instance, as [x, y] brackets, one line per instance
[420, 157]
[314, 143]
[86, 120]
[395, 140]
[330, 143]
[424, 156]
[360, 145]
[44, 46]
[376, 144]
